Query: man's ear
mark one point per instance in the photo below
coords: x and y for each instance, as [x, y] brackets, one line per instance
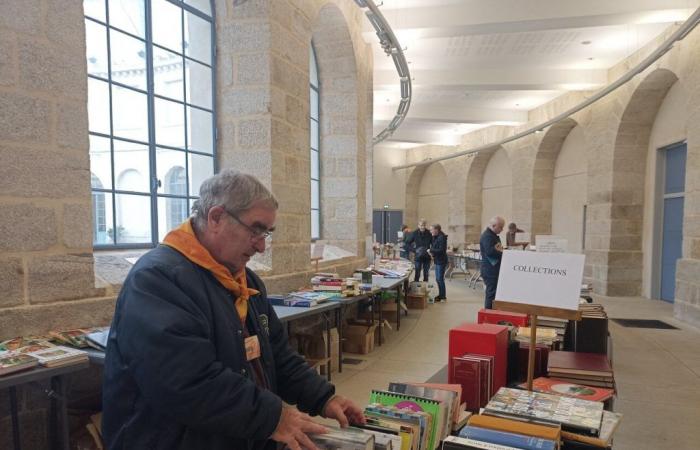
[215, 218]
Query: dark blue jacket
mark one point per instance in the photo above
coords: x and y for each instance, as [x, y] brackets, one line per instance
[176, 375]
[420, 242]
[438, 248]
[490, 257]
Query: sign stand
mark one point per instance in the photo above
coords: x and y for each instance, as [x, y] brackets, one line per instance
[315, 261]
[533, 311]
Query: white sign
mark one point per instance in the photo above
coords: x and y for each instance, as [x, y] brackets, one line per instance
[551, 244]
[522, 237]
[542, 279]
[317, 250]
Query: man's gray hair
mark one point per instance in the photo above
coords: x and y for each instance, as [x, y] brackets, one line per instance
[495, 220]
[237, 191]
[422, 222]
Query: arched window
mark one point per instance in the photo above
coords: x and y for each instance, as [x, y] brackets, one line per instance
[150, 66]
[99, 213]
[314, 145]
[176, 208]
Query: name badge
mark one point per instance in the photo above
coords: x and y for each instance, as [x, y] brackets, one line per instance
[252, 348]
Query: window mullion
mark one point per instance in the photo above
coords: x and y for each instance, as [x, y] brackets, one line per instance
[150, 88]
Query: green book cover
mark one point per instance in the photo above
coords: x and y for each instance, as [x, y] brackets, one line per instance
[413, 403]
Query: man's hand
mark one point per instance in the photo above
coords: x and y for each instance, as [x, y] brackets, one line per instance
[344, 410]
[292, 428]
[499, 247]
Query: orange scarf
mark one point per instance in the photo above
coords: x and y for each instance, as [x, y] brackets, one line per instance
[185, 241]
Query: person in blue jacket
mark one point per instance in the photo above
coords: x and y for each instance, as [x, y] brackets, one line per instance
[196, 357]
[420, 241]
[491, 254]
[438, 251]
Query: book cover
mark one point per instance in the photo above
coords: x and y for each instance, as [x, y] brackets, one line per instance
[580, 363]
[481, 339]
[404, 419]
[573, 414]
[447, 398]
[467, 373]
[562, 387]
[460, 443]
[414, 404]
[456, 388]
[550, 432]
[610, 422]
[343, 439]
[58, 355]
[506, 438]
[16, 362]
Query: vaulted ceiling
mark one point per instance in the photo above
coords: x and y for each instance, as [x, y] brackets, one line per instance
[476, 63]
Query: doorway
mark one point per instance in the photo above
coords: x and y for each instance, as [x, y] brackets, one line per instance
[386, 223]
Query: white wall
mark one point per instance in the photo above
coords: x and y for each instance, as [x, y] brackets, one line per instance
[668, 128]
[497, 190]
[433, 196]
[569, 191]
[389, 187]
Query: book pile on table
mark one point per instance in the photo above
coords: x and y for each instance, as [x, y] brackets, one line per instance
[11, 363]
[490, 432]
[303, 299]
[590, 369]
[544, 335]
[23, 353]
[475, 374]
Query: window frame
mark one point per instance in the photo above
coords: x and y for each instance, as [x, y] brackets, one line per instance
[314, 153]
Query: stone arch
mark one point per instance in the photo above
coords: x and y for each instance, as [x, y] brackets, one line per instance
[624, 259]
[543, 175]
[474, 183]
[342, 153]
[412, 190]
[497, 188]
[433, 195]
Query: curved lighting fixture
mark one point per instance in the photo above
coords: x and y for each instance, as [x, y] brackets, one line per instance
[678, 35]
[391, 47]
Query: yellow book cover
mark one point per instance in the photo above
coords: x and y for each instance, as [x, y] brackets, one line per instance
[515, 426]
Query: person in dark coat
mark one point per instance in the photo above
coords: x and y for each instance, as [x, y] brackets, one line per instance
[438, 251]
[196, 356]
[404, 242]
[420, 242]
[491, 254]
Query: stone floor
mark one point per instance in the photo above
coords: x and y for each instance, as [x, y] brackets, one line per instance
[657, 371]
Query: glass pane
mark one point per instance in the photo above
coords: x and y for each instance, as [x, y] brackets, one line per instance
[130, 114]
[200, 130]
[95, 9]
[198, 84]
[96, 48]
[313, 103]
[128, 60]
[167, 74]
[100, 162]
[201, 167]
[133, 219]
[170, 123]
[102, 219]
[197, 38]
[314, 164]
[315, 202]
[171, 213]
[315, 224]
[675, 169]
[313, 68]
[313, 134]
[98, 106]
[202, 5]
[131, 167]
[167, 25]
[170, 168]
[128, 15]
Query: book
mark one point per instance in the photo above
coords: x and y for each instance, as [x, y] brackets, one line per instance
[550, 432]
[59, 356]
[562, 387]
[572, 414]
[343, 439]
[506, 438]
[384, 439]
[467, 373]
[575, 363]
[444, 396]
[98, 339]
[74, 338]
[15, 362]
[460, 443]
[433, 408]
[597, 382]
[481, 339]
[412, 427]
[462, 420]
[456, 388]
[610, 422]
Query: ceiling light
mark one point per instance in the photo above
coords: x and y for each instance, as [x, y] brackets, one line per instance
[585, 42]
[591, 58]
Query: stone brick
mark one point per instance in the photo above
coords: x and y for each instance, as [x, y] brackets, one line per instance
[23, 118]
[339, 229]
[72, 126]
[245, 37]
[253, 69]
[11, 282]
[346, 208]
[31, 172]
[77, 225]
[61, 277]
[339, 146]
[25, 16]
[297, 112]
[346, 167]
[28, 320]
[339, 187]
[8, 58]
[65, 24]
[290, 78]
[258, 9]
[52, 69]
[254, 134]
[225, 69]
[291, 48]
[25, 227]
[239, 103]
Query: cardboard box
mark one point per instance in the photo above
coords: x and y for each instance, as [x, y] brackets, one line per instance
[358, 338]
[418, 288]
[481, 339]
[417, 301]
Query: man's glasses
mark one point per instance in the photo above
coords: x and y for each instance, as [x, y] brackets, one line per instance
[256, 232]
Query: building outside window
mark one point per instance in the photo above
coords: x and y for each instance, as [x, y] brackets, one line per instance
[150, 66]
[314, 146]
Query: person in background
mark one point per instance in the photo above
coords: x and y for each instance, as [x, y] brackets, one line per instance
[421, 240]
[404, 242]
[491, 254]
[438, 250]
[196, 357]
[510, 237]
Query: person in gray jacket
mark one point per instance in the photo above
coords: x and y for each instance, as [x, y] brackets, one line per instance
[196, 357]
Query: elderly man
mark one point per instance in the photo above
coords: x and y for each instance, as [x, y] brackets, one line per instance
[197, 358]
[420, 240]
[491, 253]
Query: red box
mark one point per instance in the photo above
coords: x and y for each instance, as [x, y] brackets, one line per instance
[497, 317]
[481, 339]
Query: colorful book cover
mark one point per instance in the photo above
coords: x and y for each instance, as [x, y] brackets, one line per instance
[505, 438]
[561, 387]
[416, 404]
[15, 362]
[448, 398]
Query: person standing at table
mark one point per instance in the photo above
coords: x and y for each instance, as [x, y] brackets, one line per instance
[196, 356]
[421, 240]
[438, 251]
[511, 234]
[404, 243]
[491, 254]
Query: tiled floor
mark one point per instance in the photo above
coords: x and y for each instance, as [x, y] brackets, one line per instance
[657, 371]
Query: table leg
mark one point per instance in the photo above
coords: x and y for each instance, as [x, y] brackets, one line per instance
[328, 345]
[398, 307]
[381, 319]
[58, 430]
[339, 324]
[15, 419]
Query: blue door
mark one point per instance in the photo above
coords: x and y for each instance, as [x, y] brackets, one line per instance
[672, 233]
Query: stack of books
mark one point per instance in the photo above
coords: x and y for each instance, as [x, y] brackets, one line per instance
[589, 369]
[567, 389]
[303, 299]
[324, 282]
[15, 362]
[351, 439]
[59, 356]
[475, 374]
[504, 434]
[546, 336]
